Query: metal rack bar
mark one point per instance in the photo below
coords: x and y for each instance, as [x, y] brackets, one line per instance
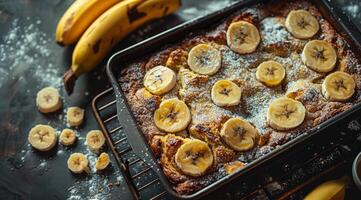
[141, 172]
[125, 167]
[148, 184]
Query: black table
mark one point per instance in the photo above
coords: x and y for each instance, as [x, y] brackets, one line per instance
[29, 61]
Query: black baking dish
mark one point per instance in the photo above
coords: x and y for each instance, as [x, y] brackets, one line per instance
[132, 131]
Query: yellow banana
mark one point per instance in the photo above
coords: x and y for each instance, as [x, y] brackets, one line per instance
[329, 190]
[112, 26]
[79, 17]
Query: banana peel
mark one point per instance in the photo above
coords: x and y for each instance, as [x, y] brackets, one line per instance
[78, 17]
[329, 190]
[111, 27]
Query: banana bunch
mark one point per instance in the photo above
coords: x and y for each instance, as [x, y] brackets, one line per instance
[98, 25]
[79, 16]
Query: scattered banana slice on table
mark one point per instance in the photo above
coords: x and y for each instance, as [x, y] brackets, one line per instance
[270, 73]
[319, 56]
[108, 29]
[78, 163]
[243, 37]
[204, 59]
[102, 162]
[67, 137]
[239, 134]
[338, 86]
[301, 24]
[160, 80]
[172, 116]
[95, 140]
[48, 100]
[75, 116]
[226, 93]
[194, 157]
[78, 17]
[42, 137]
[285, 113]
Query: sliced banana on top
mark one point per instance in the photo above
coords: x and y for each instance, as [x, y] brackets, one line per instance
[338, 86]
[67, 137]
[102, 162]
[42, 137]
[243, 37]
[78, 163]
[48, 100]
[204, 59]
[95, 140]
[160, 80]
[75, 116]
[271, 73]
[239, 134]
[226, 93]
[194, 157]
[172, 116]
[301, 24]
[285, 113]
[319, 56]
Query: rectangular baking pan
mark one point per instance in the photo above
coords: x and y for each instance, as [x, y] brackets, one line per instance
[134, 135]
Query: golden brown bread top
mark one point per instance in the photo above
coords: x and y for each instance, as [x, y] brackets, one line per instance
[277, 44]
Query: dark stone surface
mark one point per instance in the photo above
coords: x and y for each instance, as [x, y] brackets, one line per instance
[28, 174]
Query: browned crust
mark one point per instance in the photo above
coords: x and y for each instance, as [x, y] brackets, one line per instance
[318, 109]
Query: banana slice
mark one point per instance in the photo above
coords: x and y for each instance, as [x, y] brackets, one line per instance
[75, 116]
[243, 37]
[239, 134]
[78, 163]
[338, 86]
[285, 113]
[102, 162]
[301, 24]
[270, 73]
[95, 140]
[67, 137]
[226, 93]
[194, 157]
[319, 56]
[172, 116]
[204, 59]
[42, 137]
[48, 100]
[160, 80]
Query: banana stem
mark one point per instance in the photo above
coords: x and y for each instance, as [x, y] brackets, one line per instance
[69, 79]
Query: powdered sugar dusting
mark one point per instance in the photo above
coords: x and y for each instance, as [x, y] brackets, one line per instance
[203, 8]
[273, 30]
[353, 9]
[27, 50]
